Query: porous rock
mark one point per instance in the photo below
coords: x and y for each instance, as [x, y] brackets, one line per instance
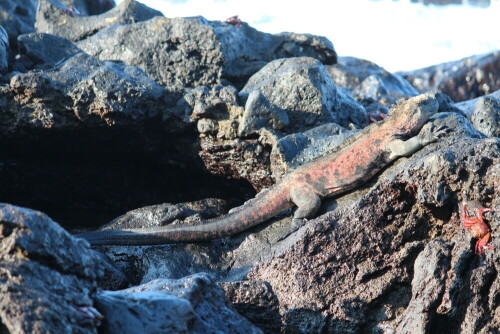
[178, 51]
[81, 90]
[256, 301]
[486, 117]
[462, 80]
[246, 50]
[45, 49]
[53, 17]
[17, 17]
[217, 112]
[46, 276]
[369, 82]
[468, 106]
[194, 304]
[430, 270]
[194, 51]
[301, 89]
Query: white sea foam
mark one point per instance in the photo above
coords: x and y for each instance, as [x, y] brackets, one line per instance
[397, 35]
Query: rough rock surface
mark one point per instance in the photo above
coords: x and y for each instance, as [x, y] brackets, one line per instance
[194, 304]
[82, 90]
[257, 302]
[45, 49]
[46, 276]
[369, 82]
[194, 51]
[53, 18]
[295, 94]
[486, 117]
[462, 80]
[469, 106]
[217, 112]
[17, 17]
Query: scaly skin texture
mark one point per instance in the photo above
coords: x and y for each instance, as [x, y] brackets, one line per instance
[355, 163]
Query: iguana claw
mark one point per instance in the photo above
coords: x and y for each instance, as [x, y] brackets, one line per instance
[430, 134]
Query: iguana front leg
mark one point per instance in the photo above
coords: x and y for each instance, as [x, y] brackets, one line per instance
[429, 134]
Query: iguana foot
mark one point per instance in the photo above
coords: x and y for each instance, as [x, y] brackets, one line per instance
[430, 133]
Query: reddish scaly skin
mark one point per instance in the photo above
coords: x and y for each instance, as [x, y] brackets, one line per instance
[361, 158]
[478, 229]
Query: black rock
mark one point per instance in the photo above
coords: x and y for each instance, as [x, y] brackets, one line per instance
[193, 304]
[486, 117]
[17, 17]
[428, 285]
[193, 51]
[81, 91]
[369, 82]
[46, 49]
[462, 80]
[468, 106]
[55, 18]
[294, 95]
[46, 276]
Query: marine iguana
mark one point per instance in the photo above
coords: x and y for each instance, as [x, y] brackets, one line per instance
[357, 161]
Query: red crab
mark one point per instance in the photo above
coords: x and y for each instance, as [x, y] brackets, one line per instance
[235, 21]
[478, 228]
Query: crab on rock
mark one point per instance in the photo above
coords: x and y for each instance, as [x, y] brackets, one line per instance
[478, 228]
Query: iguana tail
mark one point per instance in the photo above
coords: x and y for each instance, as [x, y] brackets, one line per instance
[252, 213]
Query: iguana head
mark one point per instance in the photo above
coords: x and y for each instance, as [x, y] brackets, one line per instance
[409, 116]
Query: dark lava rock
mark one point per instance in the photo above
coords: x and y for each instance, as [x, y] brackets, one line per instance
[46, 276]
[430, 271]
[256, 301]
[294, 95]
[217, 113]
[469, 106]
[486, 117]
[246, 50]
[4, 51]
[90, 7]
[95, 7]
[294, 150]
[354, 269]
[166, 213]
[178, 51]
[17, 17]
[369, 82]
[81, 91]
[46, 49]
[462, 79]
[194, 304]
[194, 51]
[52, 17]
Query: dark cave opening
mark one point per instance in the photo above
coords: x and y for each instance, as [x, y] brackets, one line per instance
[85, 178]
